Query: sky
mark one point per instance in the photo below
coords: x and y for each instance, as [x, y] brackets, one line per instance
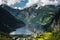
[19, 4]
[27, 3]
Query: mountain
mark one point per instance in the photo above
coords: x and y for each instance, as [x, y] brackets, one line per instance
[8, 22]
[9, 9]
[36, 20]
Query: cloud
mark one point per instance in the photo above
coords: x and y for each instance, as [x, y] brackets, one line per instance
[9, 2]
[50, 2]
[1, 2]
[31, 2]
[42, 2]
[12, 2]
